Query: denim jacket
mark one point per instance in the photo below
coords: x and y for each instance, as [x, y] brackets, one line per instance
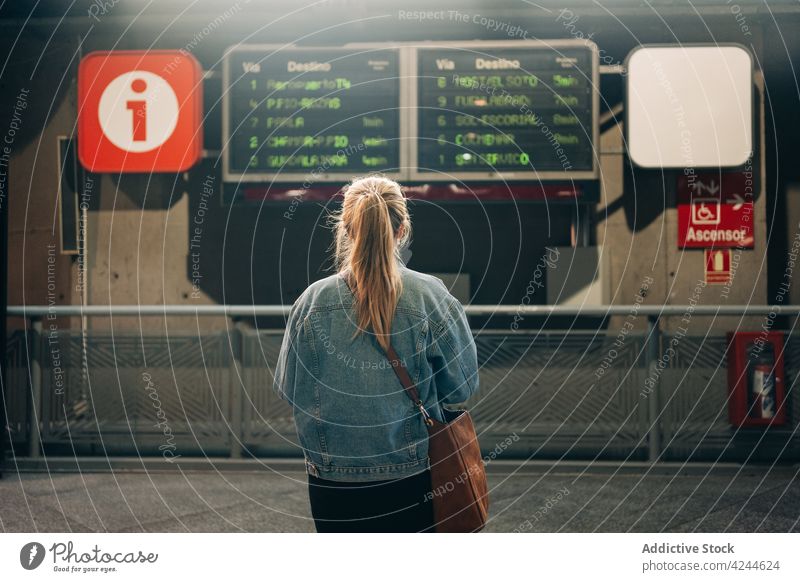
[353, 419]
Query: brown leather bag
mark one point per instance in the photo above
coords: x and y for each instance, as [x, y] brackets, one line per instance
[459, 491]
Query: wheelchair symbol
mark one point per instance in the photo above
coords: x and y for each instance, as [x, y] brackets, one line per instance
[705, 211]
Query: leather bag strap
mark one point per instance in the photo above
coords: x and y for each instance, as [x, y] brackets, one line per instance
[408, 385]
[402, 374]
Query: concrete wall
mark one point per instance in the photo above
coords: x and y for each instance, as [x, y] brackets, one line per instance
[139, 226]
[638, 226]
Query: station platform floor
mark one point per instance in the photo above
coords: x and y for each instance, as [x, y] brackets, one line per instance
[269, 495]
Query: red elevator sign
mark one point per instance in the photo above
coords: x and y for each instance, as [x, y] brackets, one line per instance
[139, 111]
[715, 210]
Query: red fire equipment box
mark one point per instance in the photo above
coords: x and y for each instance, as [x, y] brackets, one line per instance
[755, 379]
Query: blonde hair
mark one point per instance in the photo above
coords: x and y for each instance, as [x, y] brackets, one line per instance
[367, 246]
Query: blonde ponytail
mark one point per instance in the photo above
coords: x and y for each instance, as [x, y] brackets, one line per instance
[373, 214]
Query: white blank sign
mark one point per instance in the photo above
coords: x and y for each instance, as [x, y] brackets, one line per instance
[689, 106]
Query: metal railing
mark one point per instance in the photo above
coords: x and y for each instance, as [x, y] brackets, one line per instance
[651, 347]
[38, 311]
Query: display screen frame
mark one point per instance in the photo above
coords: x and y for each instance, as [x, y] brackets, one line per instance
[330, 175]
[669, 160]
[477, 175]
[408, 114]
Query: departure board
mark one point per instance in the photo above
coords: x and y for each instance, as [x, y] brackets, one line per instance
[314, 114]
[502, 111]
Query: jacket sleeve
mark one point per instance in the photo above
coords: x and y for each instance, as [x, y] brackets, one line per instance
[454, 357]
[286, 365]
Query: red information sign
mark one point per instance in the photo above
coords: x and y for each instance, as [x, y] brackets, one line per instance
[139, 111]
[715, 211]
[449, 192]
[718, 266]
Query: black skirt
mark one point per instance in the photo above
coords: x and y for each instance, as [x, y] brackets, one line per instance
[397, 505]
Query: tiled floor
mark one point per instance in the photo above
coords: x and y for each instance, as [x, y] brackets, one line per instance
[541, 498]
